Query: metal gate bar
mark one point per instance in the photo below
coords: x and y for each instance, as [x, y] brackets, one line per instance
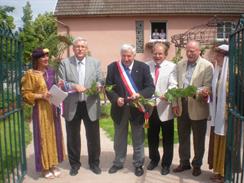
[12, 136]
[234, 164]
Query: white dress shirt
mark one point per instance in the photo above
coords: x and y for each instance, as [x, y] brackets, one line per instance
[81, 73]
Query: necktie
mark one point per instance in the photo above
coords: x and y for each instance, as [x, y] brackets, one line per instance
[156, 73]
[127, 70]
[81, 78]
[81, 73]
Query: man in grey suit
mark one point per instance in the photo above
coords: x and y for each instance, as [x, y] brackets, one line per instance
[76, 75]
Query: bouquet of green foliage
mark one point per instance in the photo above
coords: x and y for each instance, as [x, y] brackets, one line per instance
[143, 101]
[174, 93]
[146, 101]
[108, 88]
[93, 90]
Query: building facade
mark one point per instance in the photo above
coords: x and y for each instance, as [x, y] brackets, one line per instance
[107, 24]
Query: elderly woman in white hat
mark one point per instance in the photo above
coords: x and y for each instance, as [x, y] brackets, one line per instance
[218, 114]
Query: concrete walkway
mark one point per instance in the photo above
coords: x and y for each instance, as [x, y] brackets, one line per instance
[126, 175]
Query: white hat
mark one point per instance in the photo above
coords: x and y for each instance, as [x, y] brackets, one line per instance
[223, 47]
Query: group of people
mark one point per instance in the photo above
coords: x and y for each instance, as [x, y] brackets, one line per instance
[159, 35]
[131, 79]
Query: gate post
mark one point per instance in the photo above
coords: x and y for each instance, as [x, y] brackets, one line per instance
[234, 163]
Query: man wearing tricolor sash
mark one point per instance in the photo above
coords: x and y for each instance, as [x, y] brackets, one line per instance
[131, 79]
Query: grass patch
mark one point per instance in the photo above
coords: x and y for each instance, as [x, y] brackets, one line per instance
[106, 123]
[11, 143]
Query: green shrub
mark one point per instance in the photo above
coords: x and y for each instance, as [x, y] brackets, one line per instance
[106, 123]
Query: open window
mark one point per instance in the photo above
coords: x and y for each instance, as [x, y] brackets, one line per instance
[159, 30]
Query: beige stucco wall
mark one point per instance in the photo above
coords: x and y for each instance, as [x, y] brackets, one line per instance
[105, 35]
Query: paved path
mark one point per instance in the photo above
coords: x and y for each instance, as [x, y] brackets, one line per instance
[126, 175]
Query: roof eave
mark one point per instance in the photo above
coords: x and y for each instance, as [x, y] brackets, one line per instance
[149, 14]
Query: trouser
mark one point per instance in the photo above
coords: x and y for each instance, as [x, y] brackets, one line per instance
[167, 141]
[74, 139]
[198, 127]
[120, 140]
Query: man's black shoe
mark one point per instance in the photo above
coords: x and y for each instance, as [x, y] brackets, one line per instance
[95, 169]
[164, 170]
[152, 165]
[181, 168]
[73, 171]
[114, 169]
[139, 171]
[196, 171]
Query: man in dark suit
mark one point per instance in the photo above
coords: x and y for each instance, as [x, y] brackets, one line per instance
[76, 74]
[141, 84]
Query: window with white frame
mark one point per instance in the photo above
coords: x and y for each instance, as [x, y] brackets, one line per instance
[158, 30]
[224, 29]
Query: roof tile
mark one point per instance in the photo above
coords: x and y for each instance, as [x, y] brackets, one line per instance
[141, 7]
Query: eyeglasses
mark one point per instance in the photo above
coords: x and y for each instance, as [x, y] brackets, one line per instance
[80, 47]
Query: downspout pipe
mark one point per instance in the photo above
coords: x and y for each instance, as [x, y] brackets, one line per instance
[67, 32]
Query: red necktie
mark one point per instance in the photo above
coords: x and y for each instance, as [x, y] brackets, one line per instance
[156, 73]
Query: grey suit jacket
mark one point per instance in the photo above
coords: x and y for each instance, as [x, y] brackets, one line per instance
[68, 72]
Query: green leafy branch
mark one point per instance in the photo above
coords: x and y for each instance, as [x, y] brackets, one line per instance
[93, 90]
[146, 101]
[143, 101]
[174, 93]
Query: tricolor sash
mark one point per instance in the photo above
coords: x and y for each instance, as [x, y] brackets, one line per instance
[127, 79]
[131, 89]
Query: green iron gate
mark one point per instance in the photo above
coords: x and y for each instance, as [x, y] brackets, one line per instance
[12, 142]
[234, 166]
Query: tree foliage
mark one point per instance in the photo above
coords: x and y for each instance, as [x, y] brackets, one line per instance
[27, 17]
[27, 34]
[42, 32]
[46, 33]
[7, 45]
[5, 17]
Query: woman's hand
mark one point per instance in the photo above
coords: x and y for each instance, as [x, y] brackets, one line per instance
[61, 83]
[46, 96]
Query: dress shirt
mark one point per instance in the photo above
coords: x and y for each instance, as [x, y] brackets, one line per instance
[189, 72]
[81, 73]
[128, 68]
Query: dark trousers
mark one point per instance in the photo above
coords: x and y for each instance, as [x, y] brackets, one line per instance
[120, 140]
[198, 127]
[74, 139]
[153, 139]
